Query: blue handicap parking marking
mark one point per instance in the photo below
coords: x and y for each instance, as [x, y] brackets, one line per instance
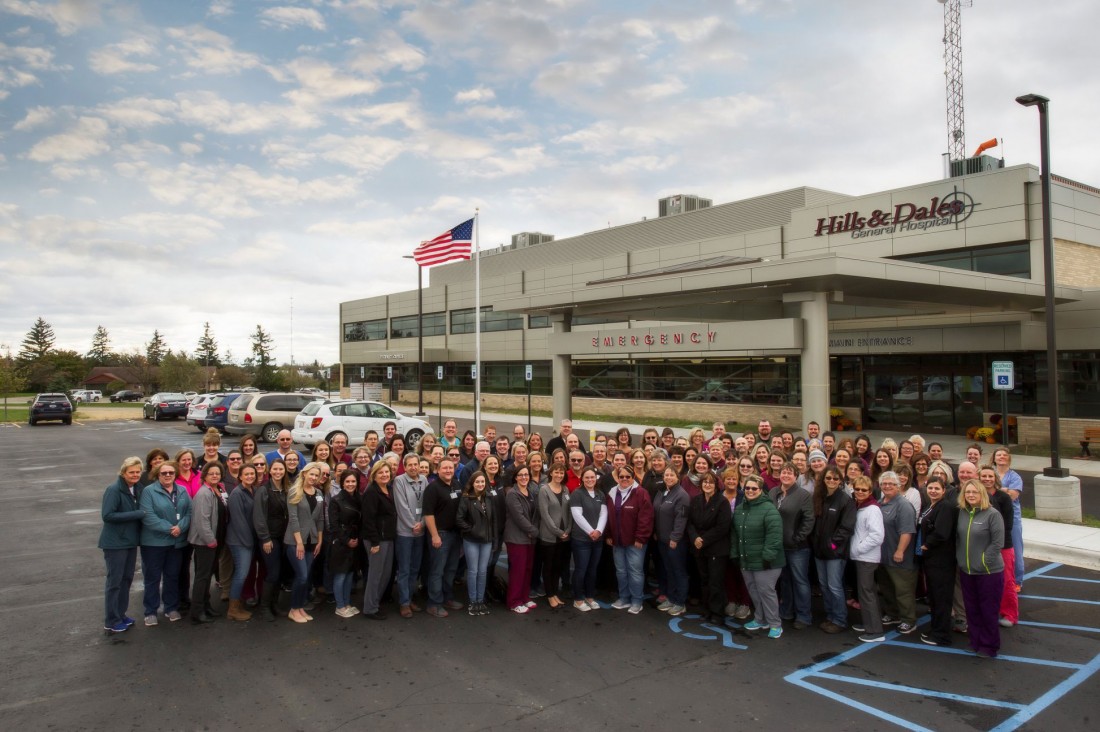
[717, 632]
[1019, 712]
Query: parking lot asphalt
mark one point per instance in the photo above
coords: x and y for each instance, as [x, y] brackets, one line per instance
[550, 669]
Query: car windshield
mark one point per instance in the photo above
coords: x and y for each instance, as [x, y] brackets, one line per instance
[52, 398]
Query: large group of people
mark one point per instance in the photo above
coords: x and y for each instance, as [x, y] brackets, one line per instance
[740, 526]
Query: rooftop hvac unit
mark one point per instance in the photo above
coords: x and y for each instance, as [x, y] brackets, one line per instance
[978, 164]
[530, 238]
[681, 204]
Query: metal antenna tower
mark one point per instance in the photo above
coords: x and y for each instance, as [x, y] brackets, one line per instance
[953, 72]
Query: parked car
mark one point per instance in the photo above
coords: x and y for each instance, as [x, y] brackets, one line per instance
[311, 390]
[190, 394]
[164, 405]
[719, 391]
[265, 414]
[127, 395]
[217, 411]
[50, 407]
[87, 395]
[196, 410]
[324, 420]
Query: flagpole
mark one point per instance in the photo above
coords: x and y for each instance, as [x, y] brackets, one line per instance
[477, 325]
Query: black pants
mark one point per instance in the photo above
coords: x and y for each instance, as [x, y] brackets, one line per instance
[940, 580]
[185, 574]
[555, 559]
[712, 582]
[204, 568]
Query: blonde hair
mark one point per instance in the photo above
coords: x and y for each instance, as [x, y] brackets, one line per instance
[298, 487]
[941, 465]
[129, 463]
[983, 503]
[212, 437]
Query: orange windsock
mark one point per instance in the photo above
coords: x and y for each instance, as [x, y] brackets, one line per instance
[985, 146]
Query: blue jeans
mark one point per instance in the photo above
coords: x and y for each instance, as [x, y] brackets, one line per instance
[410, 550]
[830, 575]
[341, 588]
[794, 587]
[441, 579]
[477, 567]
[242, 560]
[586, 560]
[161, 563]
[675, 573]
[299, 592]
[630, 573]
[121, 564]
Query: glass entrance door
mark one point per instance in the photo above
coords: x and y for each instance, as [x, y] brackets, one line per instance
[925, 398]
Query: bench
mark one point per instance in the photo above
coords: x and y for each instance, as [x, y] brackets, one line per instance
[1091, 433]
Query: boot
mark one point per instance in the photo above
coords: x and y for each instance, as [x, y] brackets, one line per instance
[267, 602]
[237, 611]
[211, 611]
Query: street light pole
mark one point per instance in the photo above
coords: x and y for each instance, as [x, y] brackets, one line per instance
[1035, 100]
[419, 336]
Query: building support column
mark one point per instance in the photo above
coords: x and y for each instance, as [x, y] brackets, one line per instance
[815, 356]
[561, 372]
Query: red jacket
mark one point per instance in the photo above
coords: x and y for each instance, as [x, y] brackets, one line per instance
[633, 524]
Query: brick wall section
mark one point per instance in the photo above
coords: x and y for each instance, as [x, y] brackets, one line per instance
[1036, 431]
[1076, 265]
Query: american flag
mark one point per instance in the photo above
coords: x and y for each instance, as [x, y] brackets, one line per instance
[453, 244]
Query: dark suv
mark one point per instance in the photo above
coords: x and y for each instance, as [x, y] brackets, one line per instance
[51, 406]
[217, 411]
[127, 395]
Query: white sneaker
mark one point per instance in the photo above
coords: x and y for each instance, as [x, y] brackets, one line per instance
[731, 609]
[620, 604]
[150, 620]
[531, 605]
[353, 610]
[677, 610]
[582, 606]
[520, 609]
[635, 609]
[742, 612]
[664, 606]
[593, 605]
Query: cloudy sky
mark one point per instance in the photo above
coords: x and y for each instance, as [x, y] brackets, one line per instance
[165, 163]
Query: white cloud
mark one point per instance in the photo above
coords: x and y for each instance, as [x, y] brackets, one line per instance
[220, 8]
[477, 94]
[207, 50]
[86, 139]
[67, 16]
[384, 52]
[210, 111]
[117, 57]
[290, 17]
[364, 153]
[139, 112]
[36, 117]
[321, 80]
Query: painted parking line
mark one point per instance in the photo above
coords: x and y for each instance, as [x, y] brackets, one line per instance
[1069, 579]
[1059, 599]
[1022, 713]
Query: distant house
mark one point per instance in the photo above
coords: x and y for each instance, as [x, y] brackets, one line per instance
[139, 379]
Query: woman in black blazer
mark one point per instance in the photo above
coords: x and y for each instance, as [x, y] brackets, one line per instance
[345, 523]
[936, 550]
[379, 531]
[708, 530]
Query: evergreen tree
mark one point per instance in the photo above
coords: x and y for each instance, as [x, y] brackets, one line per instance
[38, 342]
[101, 348]
[207, 351]
[155, 349]
[263, 346]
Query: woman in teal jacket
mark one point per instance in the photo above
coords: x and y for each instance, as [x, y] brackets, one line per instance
[119, 541]
[166, 510]
[756, 539]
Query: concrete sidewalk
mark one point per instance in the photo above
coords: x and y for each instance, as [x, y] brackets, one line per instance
[1077, 546]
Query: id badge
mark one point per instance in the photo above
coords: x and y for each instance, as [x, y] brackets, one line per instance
[419, 510]
[454, 495]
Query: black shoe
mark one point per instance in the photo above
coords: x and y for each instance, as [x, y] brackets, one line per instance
[482, 609]
[212, 612]
[201, 619]
[379, 615]
[185, 607]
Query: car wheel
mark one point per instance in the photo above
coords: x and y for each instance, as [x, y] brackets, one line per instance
[156, 415]
[331, 435]
[270, 432]
[412, 438]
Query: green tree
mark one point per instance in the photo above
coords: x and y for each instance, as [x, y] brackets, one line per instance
[145, 374]
[263, 346]
[180, 372]
[37, 343]
[59, 370]
[11, 380]
[100, 354]
[207, 351]
[155, 349]
[230, 376]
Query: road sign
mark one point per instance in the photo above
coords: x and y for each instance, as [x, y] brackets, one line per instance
[1004, 376]
[362, 372]
[439, 372]
[389, 373]
[473, 371]
[528, 372]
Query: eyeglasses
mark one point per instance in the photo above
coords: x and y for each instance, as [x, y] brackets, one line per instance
[234, 459]
[831, 479]
[326, 475]
[576, 460]
[626, 476]
[167, 472]
[861, 490]
[752, 487]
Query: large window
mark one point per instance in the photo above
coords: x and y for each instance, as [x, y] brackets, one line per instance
[462, 321]
[735, 380]
[538, 321]
[1013, 260]
[365, 330]
[406, 325]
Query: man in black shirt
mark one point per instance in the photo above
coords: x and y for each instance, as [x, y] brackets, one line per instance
[440, 512]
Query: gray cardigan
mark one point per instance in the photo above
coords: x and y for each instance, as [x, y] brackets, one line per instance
[554, 516]
[304, 521]
[204, 517]
[521, 518]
